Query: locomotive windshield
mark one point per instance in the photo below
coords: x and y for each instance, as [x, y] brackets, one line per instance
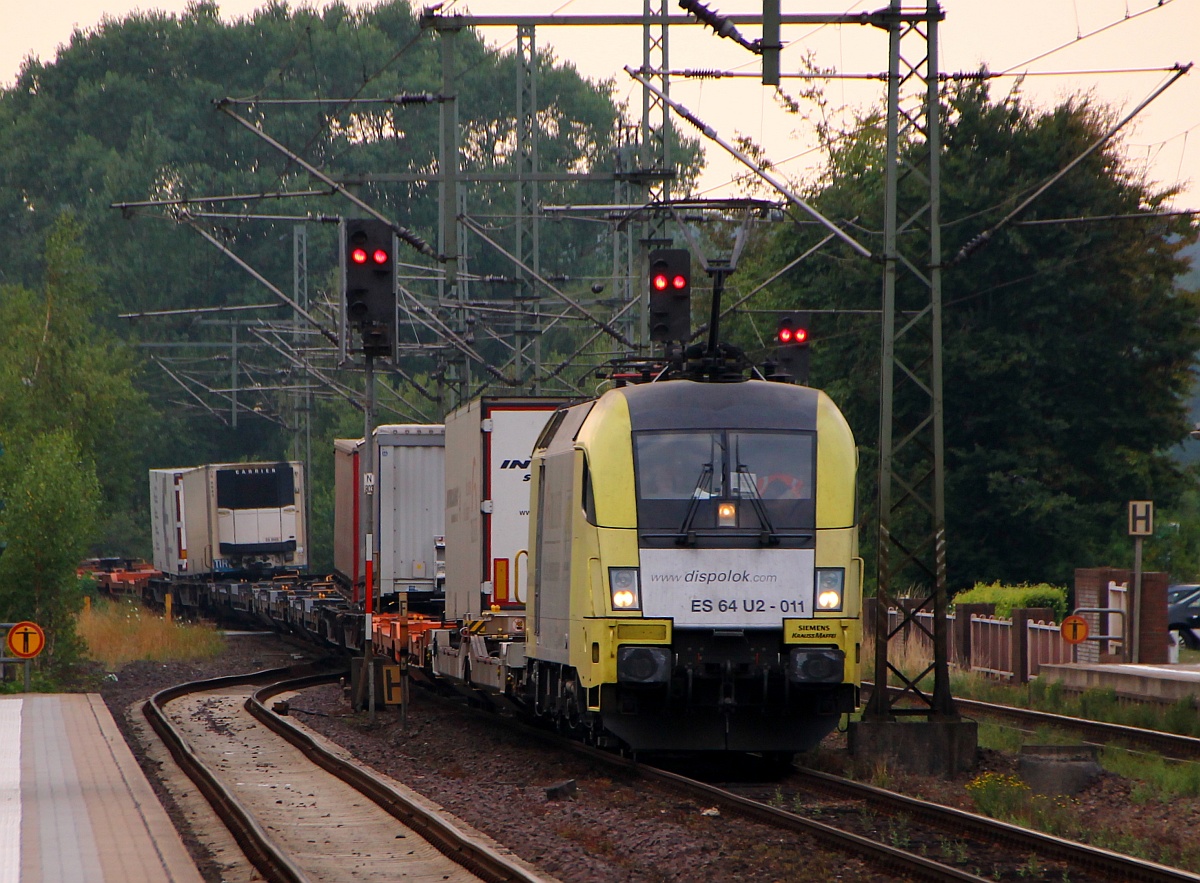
[725, 486]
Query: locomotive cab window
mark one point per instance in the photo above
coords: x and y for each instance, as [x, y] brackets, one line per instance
[589, 494]
[730, 486]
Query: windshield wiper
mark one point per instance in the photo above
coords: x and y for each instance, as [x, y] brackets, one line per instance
[686, 535]
[769, 536]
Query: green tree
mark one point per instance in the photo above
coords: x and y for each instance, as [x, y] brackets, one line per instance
[1067, 347]
[125, 113]
[60, 373]
[51, 512]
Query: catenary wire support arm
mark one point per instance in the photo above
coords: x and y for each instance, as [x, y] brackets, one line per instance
[340, 389]
[435, 324]
[413, 412]
[982, 239]
[562, 366]
[411, 381]
[205, 405]
[271, 286]
[128, 207]
[596, 320]
[402, 232]
[711, 133]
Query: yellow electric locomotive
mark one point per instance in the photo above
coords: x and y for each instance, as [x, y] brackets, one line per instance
[695, 582]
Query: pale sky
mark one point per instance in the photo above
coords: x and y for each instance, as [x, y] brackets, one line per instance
[1133, 34]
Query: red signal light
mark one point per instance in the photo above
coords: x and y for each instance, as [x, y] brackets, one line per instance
[358, 255]
[660, 281]
[678, 282]
[379, 256]
[789, 334]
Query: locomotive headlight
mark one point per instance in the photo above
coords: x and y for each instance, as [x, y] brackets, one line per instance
[643, 665]
[727, 514]
[816, 665]
[623, 587]
[830, 583]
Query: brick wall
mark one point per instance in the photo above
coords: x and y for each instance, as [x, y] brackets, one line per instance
[1091, 590]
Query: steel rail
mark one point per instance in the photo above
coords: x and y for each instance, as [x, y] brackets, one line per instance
[1171, 745]
[267, 856]
[446, 838]
[881, 855]
[1104, 861]
[889, 857]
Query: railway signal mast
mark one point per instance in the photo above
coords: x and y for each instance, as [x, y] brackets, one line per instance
[369, 304]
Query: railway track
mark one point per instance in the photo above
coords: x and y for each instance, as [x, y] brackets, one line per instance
[1080, 860]
[895, 833]
[968, 840]
[1167, 744]
[1170, 745]
[974, 847]
[299, 811]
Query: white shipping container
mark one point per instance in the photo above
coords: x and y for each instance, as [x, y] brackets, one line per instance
[229, 518]
[409, 505]
[168, 536]
[410, 494]
[489, 447]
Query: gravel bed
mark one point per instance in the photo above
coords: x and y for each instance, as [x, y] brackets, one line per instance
[609, 829]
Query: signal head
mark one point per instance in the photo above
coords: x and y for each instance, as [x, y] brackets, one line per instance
[792, 331]
[370, 294]
[791, 351]
[670, 294]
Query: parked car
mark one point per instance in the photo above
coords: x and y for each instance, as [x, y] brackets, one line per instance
[1183, 614]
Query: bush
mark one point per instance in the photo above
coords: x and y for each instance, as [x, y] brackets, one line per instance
[1009, 598]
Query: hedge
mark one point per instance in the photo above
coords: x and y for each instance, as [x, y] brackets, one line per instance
[1008, 598]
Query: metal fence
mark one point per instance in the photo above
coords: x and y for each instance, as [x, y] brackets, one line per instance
[1045, 646]
[991, 646]
[1012, 649]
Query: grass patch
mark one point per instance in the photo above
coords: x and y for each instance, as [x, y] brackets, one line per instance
[117, 632]
[1009, 799]
[1156, 781]
[1159, 778]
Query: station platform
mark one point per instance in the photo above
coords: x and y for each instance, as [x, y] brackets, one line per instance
[75, 806]
[1158, 683]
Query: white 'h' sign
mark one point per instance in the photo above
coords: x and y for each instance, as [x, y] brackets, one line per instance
[1141, 518]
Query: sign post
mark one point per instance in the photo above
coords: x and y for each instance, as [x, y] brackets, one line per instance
[1074, 630]
[1141, 525]
[25, 640]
